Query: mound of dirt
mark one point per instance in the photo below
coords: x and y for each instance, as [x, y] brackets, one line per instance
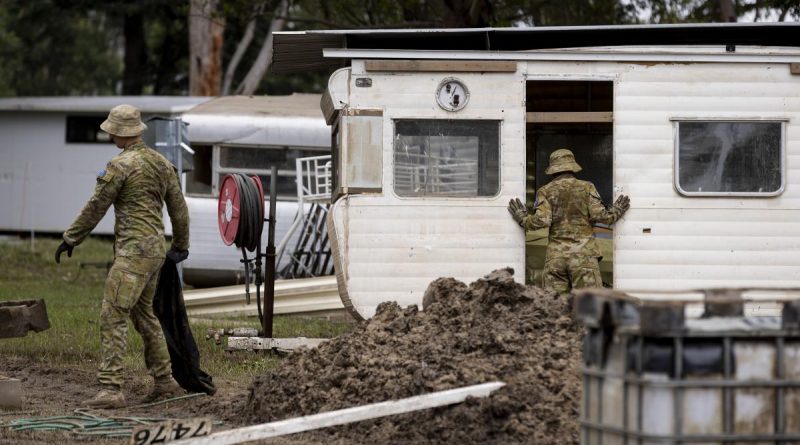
[494, 329]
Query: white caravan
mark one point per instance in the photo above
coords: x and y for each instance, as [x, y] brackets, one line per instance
[51, 149]
[436, 130]
[246, 134]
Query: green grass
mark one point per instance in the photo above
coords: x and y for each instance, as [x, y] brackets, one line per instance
[73, 295]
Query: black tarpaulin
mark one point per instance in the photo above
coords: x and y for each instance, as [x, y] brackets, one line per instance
[171, 312]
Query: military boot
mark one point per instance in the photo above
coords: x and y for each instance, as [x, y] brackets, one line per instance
[163, 388]
[108, 397]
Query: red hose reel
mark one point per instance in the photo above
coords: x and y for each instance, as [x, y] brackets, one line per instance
[241, 212]
[229, 207]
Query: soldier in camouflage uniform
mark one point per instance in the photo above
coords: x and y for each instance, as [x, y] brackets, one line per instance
[138, 182]
[569, 207]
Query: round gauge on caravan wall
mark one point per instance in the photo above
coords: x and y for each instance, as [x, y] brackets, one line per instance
[452, 94]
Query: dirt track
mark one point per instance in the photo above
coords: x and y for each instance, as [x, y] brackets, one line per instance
[495, 329]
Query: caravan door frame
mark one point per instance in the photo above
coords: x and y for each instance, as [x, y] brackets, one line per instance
[600, 77]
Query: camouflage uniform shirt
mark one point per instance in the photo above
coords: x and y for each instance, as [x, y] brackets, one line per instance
[138, 182]
[569, 207]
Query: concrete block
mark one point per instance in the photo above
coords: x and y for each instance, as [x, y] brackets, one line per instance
[19, 317]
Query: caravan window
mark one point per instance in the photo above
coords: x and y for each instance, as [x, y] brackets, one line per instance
[729, 158]
[259, 161]
[86, 130]
[458, 158]
[198, 180]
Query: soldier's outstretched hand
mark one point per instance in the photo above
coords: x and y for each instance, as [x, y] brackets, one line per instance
[623, 203]
[63, 247]
[517, 210]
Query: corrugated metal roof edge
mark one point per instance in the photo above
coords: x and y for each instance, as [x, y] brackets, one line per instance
[101, 104]
[543, 28]
[291, 105]
[302, 50]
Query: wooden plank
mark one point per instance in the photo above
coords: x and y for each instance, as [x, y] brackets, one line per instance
[794, 68]
[302, 295]
[361, 112]
[258, 343]
[344, 416]
[567, 117]
[453, 66]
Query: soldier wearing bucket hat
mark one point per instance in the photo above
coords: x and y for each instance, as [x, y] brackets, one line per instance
[124, 121]
[138, 181]
[569, 207]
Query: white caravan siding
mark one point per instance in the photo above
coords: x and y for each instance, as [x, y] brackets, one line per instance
[391, 248]
[45, 182]
[702, 242]
[696, 242]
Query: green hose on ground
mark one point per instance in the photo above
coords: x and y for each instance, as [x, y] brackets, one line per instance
[84, 422]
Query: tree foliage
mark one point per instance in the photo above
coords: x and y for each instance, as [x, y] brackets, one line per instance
[702, 11]
[51, 48]
[84, 47]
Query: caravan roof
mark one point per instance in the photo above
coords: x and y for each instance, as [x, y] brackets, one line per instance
[294, 120]
[294, 105]
[309, 50]
[101, 104]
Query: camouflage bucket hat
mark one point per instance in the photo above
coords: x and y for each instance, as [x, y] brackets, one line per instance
[562, 160]
[124, 121]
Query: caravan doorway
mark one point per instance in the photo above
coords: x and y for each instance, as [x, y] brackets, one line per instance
[577, 115]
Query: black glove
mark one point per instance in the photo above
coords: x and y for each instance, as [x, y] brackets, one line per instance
[63, 247]
[177, 255]
[622, 204]
[517, 210]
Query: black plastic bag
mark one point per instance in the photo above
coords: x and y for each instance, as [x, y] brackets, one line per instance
[183, 353]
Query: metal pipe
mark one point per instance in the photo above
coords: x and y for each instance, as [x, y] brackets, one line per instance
[677, 391]
[780, 415]
[625, 389]
[727, 393]
[269, 291]
[692, 438]
[639, 387]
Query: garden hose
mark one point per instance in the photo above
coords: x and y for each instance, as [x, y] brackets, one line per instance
[251, 225]
[251, 220]
[86, 423]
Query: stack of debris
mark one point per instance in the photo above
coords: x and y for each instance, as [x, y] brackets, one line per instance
[494, 329]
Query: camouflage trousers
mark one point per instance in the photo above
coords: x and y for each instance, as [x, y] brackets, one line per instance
[565, 272]
[128, 293]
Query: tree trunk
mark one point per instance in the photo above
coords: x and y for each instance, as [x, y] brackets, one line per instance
[133, 76]
[206, 27]
[264, 59]
[230, 71]
[726, 12]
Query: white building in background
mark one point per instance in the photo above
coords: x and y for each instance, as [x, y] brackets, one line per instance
[51, 149]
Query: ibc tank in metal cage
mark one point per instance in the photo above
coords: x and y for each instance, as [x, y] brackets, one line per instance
[652, 375]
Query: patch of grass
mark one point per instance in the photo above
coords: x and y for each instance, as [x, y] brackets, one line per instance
[73, 293]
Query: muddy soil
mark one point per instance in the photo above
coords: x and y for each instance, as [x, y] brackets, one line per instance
[493, 329]
[58, 390]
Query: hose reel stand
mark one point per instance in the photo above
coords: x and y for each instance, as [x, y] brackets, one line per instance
[241, 223]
